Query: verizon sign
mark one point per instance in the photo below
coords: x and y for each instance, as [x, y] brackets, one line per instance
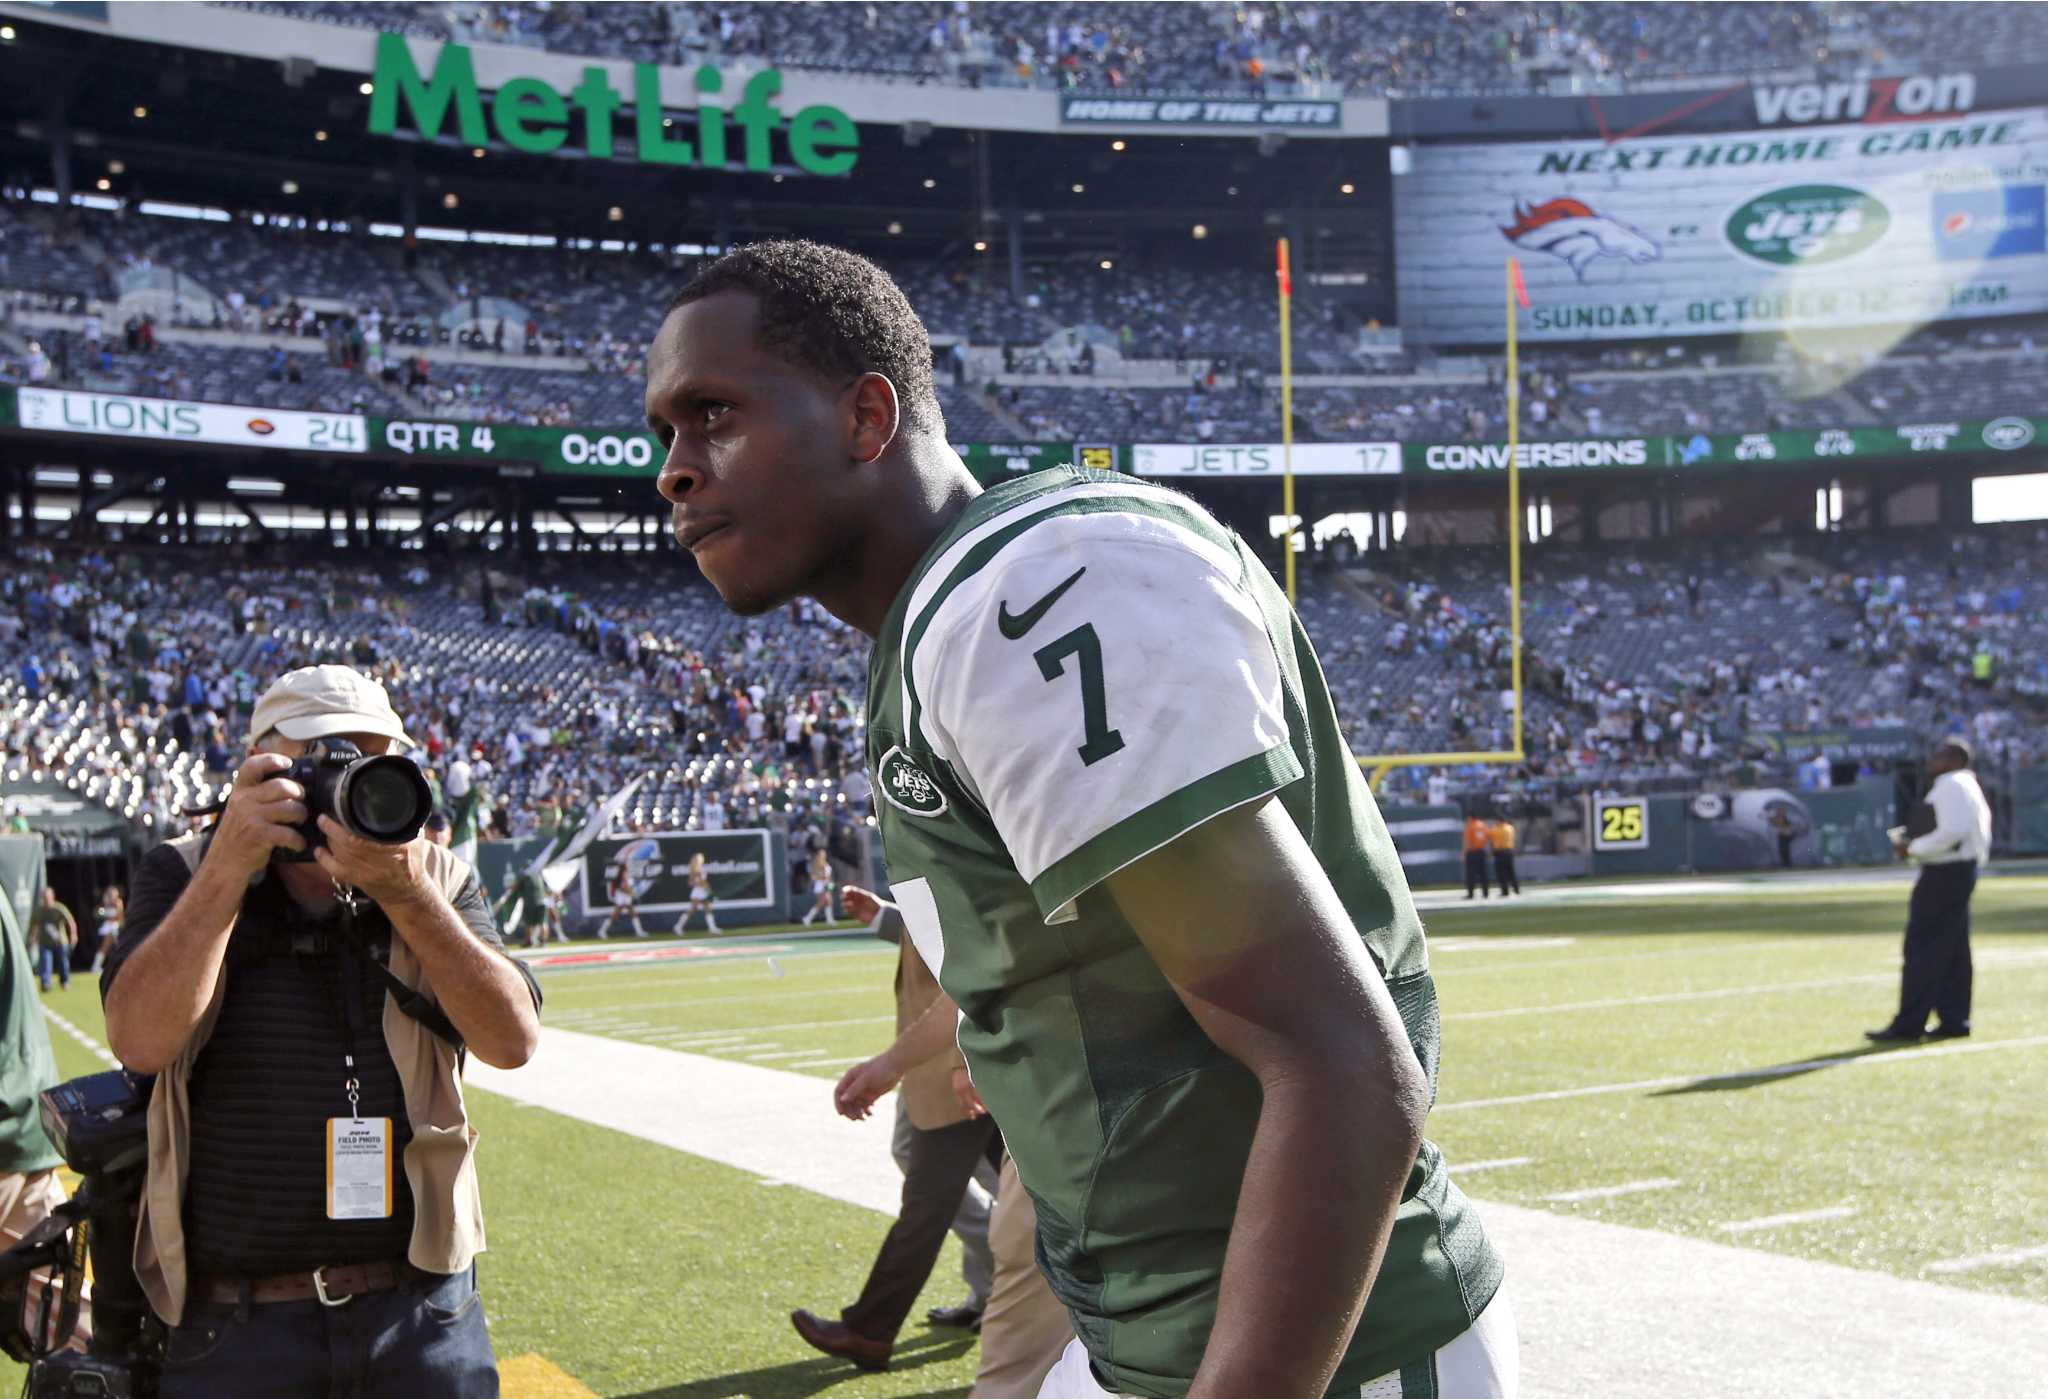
[1865, 99]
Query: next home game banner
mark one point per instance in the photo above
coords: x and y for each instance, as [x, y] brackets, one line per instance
[1846, 224]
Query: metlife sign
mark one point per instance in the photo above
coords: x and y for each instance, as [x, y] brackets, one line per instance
[1196, 111]
[1869, 222]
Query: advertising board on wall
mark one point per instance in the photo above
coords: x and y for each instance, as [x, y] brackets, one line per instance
[1200, 111]
[738, 864]
[1855, 223]
[1265, 459]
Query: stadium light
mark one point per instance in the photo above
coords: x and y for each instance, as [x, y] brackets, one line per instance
[895, 227]
[615, 214]
[117, 167]
[449, 201]
[980, 246]
[104, 184]
[141, 113]
[1200, 230]
[1347, 188]
[478, 154]
[7, 33]
[1080, 189]
[1232, 191]
[1107, 264]
[290, 186]
[931, 183]
[366, 88]
[319, 135]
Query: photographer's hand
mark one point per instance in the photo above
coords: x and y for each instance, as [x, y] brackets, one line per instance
[261, 812]
[388, 875]
[163, 988]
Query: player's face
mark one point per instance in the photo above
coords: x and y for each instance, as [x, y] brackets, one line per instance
[758, 467]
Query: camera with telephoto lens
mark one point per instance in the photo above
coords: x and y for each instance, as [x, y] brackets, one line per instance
[99, 1125]
[383, 798]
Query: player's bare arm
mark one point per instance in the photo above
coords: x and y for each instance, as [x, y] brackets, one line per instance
[1244, 924]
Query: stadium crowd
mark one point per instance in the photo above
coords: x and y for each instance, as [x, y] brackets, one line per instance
[128, 674]
[252, 312]
[1399, 49]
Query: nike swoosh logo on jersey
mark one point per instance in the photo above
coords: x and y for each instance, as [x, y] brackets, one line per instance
[1013, 627]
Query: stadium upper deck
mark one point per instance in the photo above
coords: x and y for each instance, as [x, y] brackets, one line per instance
[1233, 50]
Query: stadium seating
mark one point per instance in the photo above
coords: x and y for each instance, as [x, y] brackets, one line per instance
[558, 335]
[586, 674]
[1212, 48]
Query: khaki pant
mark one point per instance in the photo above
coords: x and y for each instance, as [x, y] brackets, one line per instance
[26, 1201]
[1025, 1329]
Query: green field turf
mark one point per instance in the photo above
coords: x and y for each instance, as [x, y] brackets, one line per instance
[641, 1271]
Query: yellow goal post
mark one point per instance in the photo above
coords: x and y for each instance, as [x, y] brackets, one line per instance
[1380, 764]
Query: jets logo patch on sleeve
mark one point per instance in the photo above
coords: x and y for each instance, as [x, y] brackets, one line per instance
[908, 786]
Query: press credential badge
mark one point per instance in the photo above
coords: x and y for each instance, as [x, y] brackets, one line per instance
[358, 1168]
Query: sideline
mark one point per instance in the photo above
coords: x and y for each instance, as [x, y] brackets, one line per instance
[1602, 1306]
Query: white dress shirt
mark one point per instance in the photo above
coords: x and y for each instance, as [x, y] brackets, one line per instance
[1962, 822]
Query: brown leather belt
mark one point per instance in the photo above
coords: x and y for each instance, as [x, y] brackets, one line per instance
[331, 1285]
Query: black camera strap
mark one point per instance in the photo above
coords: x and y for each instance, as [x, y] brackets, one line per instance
[356, 958]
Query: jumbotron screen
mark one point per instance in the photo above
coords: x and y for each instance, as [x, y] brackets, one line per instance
[1727, 233]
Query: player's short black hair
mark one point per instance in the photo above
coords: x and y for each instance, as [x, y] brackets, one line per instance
[833, 312]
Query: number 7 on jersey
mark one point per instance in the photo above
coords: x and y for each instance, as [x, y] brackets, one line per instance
[1086, 647]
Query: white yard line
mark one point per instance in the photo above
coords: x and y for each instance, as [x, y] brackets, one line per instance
[827, 1063]
[1843, 1061]
[1608, 1192]
[1677, 997]
[1722, 943]
[1783, 1221]
[2005, 1258]
[790, 1028]
[780, 1054]
[1749, 1325]
[1501, 944]
[98, 1050]
[1498, 1163]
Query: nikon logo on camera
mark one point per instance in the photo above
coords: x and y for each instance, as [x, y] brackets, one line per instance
[1805, 225]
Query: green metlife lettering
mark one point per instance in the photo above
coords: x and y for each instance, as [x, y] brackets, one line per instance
[532, 117]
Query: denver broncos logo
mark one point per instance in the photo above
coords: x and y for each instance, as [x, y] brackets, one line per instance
[1568, 229]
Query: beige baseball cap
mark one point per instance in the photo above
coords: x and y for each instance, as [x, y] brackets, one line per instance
[317, 701]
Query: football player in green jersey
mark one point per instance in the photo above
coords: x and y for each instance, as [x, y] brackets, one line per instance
[1125, 833]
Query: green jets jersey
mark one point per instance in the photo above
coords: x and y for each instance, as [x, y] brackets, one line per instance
[1082, 668]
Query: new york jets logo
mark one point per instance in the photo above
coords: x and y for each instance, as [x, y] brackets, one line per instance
[2008, 434]
[909, 786]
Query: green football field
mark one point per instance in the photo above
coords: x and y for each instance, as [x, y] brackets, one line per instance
[1665, 1056]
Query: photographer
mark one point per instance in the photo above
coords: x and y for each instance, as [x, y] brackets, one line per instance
[311, 1212]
